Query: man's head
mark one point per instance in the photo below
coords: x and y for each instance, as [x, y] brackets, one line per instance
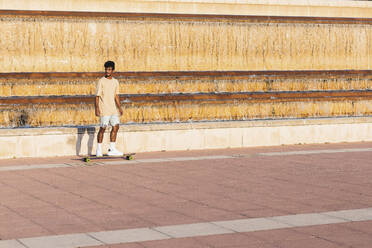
[109, 68]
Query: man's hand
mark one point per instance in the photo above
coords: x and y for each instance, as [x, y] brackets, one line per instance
[98, 113]
[96, 105]
[117, 102]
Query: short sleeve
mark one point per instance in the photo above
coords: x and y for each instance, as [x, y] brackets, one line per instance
[99, 88]
[117, 88]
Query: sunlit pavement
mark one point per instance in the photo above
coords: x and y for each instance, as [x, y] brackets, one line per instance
[287, 196]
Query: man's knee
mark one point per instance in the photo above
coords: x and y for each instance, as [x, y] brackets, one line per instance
[115, 128]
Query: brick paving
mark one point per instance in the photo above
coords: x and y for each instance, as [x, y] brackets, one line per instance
[81, 199]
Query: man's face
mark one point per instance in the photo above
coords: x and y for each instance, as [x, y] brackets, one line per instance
[108, 71]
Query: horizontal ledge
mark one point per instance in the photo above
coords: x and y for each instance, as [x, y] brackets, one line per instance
[161, 74]
[6, 132]
[190, 17]
[244, 96]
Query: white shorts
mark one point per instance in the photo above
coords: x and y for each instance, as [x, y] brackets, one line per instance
[113, 120]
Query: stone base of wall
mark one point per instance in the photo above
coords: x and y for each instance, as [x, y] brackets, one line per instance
[50, 142]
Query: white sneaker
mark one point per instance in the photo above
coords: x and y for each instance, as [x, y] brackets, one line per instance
[114, 152]
[99, 153]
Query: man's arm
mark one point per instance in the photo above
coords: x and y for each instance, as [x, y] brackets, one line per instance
[117, 102]
[98, 112]
[98, 95]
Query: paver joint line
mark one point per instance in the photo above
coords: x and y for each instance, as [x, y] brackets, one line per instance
[129, 235]
[88, 234]
[61, 241]
[12, 244]
[154, 229]
[192, 230]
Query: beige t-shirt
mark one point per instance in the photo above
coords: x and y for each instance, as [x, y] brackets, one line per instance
[107, 89]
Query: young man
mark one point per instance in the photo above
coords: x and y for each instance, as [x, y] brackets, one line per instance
[108, 109]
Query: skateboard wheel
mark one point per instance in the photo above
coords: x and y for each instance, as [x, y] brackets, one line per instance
[87, 160]
[130, 157]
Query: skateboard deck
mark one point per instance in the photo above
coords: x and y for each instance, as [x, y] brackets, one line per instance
[127, 156]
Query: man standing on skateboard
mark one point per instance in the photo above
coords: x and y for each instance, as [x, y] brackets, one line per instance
[108, 109]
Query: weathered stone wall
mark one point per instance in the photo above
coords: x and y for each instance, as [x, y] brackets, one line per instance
[329, 8]
[34, 43]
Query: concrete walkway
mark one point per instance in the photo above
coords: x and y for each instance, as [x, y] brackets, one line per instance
[288, 196]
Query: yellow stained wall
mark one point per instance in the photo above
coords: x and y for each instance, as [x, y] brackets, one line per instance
[326, 8]
[80, 86]
[34, 44]
[184, 111]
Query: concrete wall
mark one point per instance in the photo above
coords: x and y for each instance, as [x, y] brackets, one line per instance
[236, 7]
[49, 142]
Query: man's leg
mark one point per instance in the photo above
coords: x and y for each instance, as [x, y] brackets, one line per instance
[104, 121]
[100, 134]
[114, 133]
[114, 121]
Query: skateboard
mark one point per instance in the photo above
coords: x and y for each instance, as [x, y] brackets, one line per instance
[127, 156]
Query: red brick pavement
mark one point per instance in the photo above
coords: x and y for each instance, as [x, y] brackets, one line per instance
[86, 199]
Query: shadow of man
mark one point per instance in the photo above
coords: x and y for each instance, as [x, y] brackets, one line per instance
[81, 131]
